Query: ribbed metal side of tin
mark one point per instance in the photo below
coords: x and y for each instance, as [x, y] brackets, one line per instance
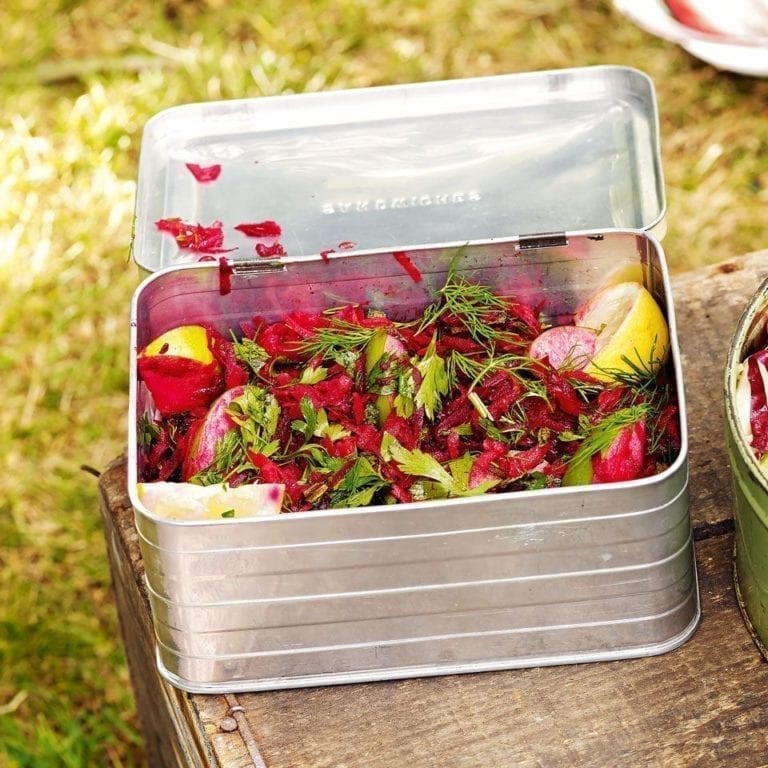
[465, 587]
[498, 581]
[750, 486]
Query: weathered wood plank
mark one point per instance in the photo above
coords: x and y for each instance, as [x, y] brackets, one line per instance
[700, 705]
[177, 732]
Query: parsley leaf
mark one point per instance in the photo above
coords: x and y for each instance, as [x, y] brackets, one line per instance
[435, 382]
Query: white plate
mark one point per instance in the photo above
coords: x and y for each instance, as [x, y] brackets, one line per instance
[743, 54]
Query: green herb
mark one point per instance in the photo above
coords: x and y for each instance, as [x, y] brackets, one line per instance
[229, 459]
[568, 437]
[250, 353]
[434, 380]
[336, 339]
[420, 464]
[309, 425]
[323, 428]
[640, 376]
[385, 374]
[518, 366]
[460, 469]
[477, 306]
[256, 412]
[358, 486]
[535, 481]
[313, 375]
[148, 431]
[228, 513]
[405, 399]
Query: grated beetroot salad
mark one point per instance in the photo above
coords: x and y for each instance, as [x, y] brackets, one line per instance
[348, 408]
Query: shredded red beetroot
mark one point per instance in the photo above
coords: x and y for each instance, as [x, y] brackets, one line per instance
[205, 173]
[260, 229]
[195, 237]
[349, 407]
[233, 371]
[402, 259]
[179, 384]
[225, 276]
[267, 251]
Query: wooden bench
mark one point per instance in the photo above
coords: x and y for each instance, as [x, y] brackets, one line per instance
[703, 704]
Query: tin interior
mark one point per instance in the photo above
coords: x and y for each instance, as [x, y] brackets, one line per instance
[555, 278]
[408, 165]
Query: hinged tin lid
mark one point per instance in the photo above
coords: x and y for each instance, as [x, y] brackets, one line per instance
[407, 165]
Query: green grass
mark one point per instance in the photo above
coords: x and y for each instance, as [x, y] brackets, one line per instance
[79, 79]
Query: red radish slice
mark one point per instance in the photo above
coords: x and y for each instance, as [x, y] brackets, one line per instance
[215, 425]
[565, 346]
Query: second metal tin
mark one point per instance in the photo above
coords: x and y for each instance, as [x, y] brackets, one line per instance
[750, 483]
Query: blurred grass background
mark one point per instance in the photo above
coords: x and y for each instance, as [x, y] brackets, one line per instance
[79, 79]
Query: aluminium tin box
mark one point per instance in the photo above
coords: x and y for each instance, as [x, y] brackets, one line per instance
[547, 184]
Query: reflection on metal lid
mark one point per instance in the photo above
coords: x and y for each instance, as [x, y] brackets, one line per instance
[405, 165]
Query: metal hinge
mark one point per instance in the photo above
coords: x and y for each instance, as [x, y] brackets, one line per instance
[548, 240]
[256, 267]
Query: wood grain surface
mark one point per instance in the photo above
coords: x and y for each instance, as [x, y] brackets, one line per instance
[703, 704]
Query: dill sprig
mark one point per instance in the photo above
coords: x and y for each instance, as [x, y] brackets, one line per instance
[336, 339]
[475, 305]
[477, 369]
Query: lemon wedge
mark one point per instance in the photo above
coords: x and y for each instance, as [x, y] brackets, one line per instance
[187, 501]
[632, 333]
[190, 341]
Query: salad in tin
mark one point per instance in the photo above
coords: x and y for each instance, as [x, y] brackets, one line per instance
[349, 407]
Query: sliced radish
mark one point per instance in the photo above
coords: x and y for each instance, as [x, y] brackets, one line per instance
[565, 346]
[215, 424]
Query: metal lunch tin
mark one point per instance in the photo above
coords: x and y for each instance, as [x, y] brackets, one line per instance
[497, 170]
[750, 484]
